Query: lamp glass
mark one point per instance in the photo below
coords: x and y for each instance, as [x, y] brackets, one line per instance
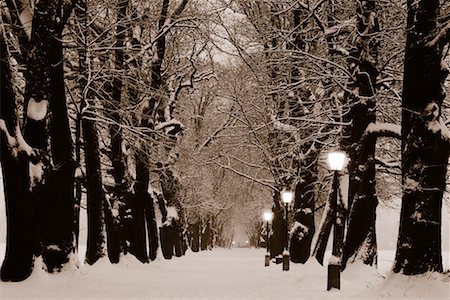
[287, 196]
[268, 216]
[337, 160]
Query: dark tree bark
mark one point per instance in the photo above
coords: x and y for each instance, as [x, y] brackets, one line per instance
[166, 235]
[117, 213]
[305, 194]
[362, 194]
[142, 208]
[424, 152]
[152, 228]
[326, 225]
[81, 14]
[277, 239]
[115, 227]
[304, 206]
[95, 195]
[195, 236]
[152, 114]
[18, 261]
[170, 186]
[45, 82]
[138, 246]
[206, 236]
[361, 235]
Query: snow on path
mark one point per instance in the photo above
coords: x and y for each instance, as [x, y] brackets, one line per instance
[220, 274]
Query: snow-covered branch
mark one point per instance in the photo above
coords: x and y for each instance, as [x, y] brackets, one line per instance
[173, 126]
[277, 124]
[342, 27]
[384, 129]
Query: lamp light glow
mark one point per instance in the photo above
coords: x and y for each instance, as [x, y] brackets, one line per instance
[287, 196]
[268, 216]
[337, 160]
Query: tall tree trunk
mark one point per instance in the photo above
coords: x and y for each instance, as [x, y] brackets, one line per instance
[58, 237]
[170, 186]
[94, 186]
[138, 246]
[206, 236]
[277, 239]
[424, 152]
[143, 203]
[95, 195]
[195, 236]
[45, 82]
[152, 228]
[18, 261]
[326, 224]
[303, 228]
[362, 194]
[304, 206]
[120, 199]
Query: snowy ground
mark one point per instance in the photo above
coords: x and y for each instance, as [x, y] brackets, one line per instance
[223, 274]
[233, 274]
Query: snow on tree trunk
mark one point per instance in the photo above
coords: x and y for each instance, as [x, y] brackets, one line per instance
[360, 241]
[152, 228]
[303, 231]
[59, 202]
[424, 151]
[171, 190]
[325, 226]
[45, 84]
[361, 149]
[18, 261]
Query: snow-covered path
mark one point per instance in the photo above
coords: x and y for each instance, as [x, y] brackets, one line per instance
[220, 274]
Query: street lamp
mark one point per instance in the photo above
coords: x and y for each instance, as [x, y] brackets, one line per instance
[336, 162]
[268, 216]
[287, 197]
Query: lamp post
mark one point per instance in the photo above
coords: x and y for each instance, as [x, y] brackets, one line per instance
[336, 163]
[287, 197]
[268, 216]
